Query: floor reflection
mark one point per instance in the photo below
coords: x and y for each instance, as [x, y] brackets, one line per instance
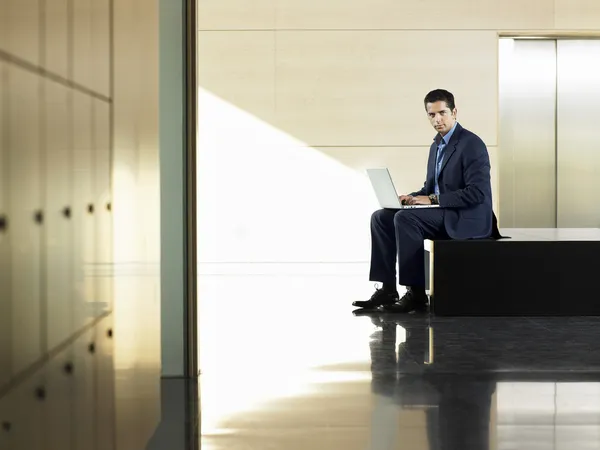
[287, 366]
[456, 405]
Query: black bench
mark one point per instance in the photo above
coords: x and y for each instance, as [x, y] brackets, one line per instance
[537, 272]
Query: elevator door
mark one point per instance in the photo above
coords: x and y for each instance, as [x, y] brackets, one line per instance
[549, 90]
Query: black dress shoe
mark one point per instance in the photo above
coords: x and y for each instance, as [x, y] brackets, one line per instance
[414, 301]
[379, 298]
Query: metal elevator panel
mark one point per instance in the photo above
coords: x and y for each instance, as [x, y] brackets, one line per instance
[548, 90]
[578, 154]
[527, 99]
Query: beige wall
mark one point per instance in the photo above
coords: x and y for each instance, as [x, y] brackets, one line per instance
[344, 80]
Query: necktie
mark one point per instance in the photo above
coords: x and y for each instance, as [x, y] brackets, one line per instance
[438, 164]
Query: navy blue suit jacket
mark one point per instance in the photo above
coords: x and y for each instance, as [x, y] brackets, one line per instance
[465, 185]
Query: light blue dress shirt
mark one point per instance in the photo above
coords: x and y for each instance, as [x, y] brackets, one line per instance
[439, 158]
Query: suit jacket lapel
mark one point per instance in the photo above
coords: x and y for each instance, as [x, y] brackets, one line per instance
[431, 164]
[451, 148]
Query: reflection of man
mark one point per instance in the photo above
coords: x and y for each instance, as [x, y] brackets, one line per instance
[458, 179]
[456, 406]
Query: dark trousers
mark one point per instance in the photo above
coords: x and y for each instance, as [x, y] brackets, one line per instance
[397, 235]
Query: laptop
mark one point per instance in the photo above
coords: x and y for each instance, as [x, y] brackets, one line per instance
[386, 192]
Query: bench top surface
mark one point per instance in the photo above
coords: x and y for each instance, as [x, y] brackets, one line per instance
[546, 234]
[552, 234]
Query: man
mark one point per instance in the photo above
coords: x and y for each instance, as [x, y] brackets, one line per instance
[458, 179]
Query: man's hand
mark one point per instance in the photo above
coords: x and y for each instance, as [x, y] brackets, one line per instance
[405, 199]
[421, 200]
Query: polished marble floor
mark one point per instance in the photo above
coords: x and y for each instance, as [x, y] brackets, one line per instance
[286, 365]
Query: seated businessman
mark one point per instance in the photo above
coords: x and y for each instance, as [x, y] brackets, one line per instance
[458, 179]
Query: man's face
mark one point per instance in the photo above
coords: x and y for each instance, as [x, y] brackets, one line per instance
[441, 117]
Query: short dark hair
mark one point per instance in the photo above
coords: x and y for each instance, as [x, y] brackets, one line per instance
[440, 95]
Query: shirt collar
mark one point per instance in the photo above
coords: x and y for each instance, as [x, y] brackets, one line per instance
[449, 134]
